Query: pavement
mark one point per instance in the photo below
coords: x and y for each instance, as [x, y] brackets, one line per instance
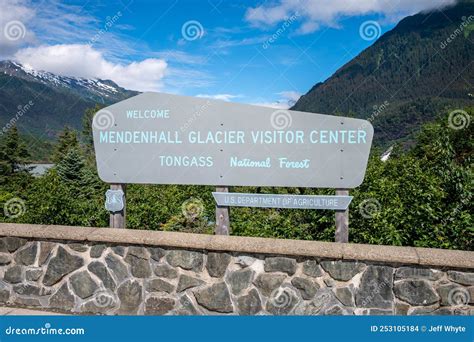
[8, 311]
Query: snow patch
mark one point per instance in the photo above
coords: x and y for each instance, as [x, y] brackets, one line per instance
[97, 87]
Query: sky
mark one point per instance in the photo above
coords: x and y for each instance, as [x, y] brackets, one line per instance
[258, 52]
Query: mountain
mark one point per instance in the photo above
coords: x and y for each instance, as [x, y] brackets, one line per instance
[56, 100]
[411, 74]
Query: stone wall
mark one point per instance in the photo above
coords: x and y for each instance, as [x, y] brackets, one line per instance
[107, 271]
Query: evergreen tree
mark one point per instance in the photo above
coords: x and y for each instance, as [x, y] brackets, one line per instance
[13, 153]
[67, 141]
[71, 166]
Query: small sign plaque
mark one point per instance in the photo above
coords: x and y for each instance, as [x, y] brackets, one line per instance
[114, 200]
[233, 199]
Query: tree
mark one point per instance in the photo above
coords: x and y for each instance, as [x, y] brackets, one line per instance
[71, 166]
[67, 141]
[13, 153]
[51, 200]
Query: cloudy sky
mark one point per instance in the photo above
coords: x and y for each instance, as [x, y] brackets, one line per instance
[259, 52]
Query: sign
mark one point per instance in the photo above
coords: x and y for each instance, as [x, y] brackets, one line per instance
[114, 200]
[232, 199]
[159, 138]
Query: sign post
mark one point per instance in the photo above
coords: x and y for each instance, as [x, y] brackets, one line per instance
[342, 220]
[222, 216]
[116, 204]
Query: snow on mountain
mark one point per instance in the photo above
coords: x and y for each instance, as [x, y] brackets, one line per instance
[102, 91]
[53, 101]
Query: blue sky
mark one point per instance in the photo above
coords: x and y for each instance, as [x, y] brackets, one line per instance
[259, 52]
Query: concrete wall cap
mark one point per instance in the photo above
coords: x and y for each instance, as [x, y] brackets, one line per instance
[295, 248]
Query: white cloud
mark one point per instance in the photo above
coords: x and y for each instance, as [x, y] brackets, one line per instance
[13, 32]
[179, 78]
[50, 22]
[84, 61]
[286, 100]
[327, 12]
[276, 104]
[290, 95]
[84, 45]
[223, 97]
[178, 56]
[229, 43]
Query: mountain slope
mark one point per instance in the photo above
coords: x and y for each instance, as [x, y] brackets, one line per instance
[406, 77]
[56, 101]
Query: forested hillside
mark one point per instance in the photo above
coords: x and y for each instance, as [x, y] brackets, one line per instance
[40, 103]
[408, 76]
